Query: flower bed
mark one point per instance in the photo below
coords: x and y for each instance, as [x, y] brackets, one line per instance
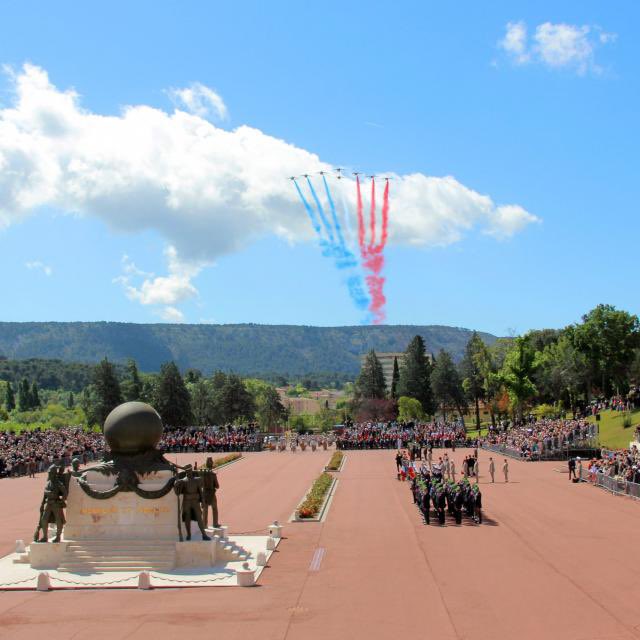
[218, 462]
[335, 462]
[312, 504]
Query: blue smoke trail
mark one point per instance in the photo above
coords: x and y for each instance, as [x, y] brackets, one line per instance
[347, 221]
[332, 206]
[344, 257]
[325, 222]
[345, 260]
[314, 220]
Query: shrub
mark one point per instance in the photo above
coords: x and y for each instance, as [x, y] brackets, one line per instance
[627, 420]
[312, 503]
[218, 462]
[336, 461]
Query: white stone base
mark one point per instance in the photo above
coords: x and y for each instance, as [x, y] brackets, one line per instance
[217, 571]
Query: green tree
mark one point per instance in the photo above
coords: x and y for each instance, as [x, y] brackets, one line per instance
[517, 375]
[471, 371]
[608, 339]
[235, 401]
[71, 402]
[132, 386]
[561, 372]
[447, 385]
[35, 396]
[106, 391]
[172, 399]
[395, 379]
[415, 375]
[203, 405]
[370, 382]
[269, 409]
[409, 409]
[9, 398]
[24, 395]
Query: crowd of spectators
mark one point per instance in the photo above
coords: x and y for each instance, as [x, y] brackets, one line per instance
[622, 465]
[30, 452]
[535, 438]
[397, 435]
[211, 438]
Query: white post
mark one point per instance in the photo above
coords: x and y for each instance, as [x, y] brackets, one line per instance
[246, 576]
[44, 584]
[271, 543]
[20, 548]
[275, 529]
[144, 580]
[261, 559]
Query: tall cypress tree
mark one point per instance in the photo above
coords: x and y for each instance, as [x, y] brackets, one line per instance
[471, 371]
[415, 375]
[35, 396]
[71, 401]
[447, 385]
[370, 383]
[107, 390]
[172, 399]
[9, 398]
[24, 395]
[395, 379]
[133, 384]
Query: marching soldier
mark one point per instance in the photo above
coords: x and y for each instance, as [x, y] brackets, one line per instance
[492, 470]
[505, 470]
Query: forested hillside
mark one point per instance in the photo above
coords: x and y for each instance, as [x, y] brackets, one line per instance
[244, 349]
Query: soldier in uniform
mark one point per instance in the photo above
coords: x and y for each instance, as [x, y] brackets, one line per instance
[492, 470]
[53, 503]
[210, 485]
[190, 488]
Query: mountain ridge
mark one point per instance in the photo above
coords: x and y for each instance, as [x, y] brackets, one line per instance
[244, 348]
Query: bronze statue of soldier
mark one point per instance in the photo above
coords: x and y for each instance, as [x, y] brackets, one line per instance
[52, 507]
[210, 485]
[189, 488]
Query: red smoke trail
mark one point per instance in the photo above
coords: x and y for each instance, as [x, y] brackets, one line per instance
[373, 254]
[360, 219]
[372, 215]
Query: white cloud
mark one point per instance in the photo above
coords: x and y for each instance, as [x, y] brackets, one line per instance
[200, 101]
[556, 46]
[155, 290]
[39, 266]
[515, 42]
[206, 190]
[171, 314]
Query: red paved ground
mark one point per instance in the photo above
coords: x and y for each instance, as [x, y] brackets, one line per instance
[556, 560]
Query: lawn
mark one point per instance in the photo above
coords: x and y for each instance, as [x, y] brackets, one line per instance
[612, 433]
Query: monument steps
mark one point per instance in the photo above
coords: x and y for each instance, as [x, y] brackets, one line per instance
[118, 555]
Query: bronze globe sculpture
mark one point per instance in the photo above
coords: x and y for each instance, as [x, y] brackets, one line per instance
[132, 428]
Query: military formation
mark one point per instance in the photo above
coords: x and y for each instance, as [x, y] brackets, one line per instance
[432, 492]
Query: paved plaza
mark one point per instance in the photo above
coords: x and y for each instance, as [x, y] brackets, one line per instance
[552, 560]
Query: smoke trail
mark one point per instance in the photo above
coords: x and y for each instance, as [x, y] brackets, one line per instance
[345, 260]
[314, 220]
[372, 215]
[373, 254]
[325, 222]
[360, 218]
[347, 218]
[334, 216]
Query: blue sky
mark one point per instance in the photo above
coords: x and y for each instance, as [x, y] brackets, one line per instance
[542, 121]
